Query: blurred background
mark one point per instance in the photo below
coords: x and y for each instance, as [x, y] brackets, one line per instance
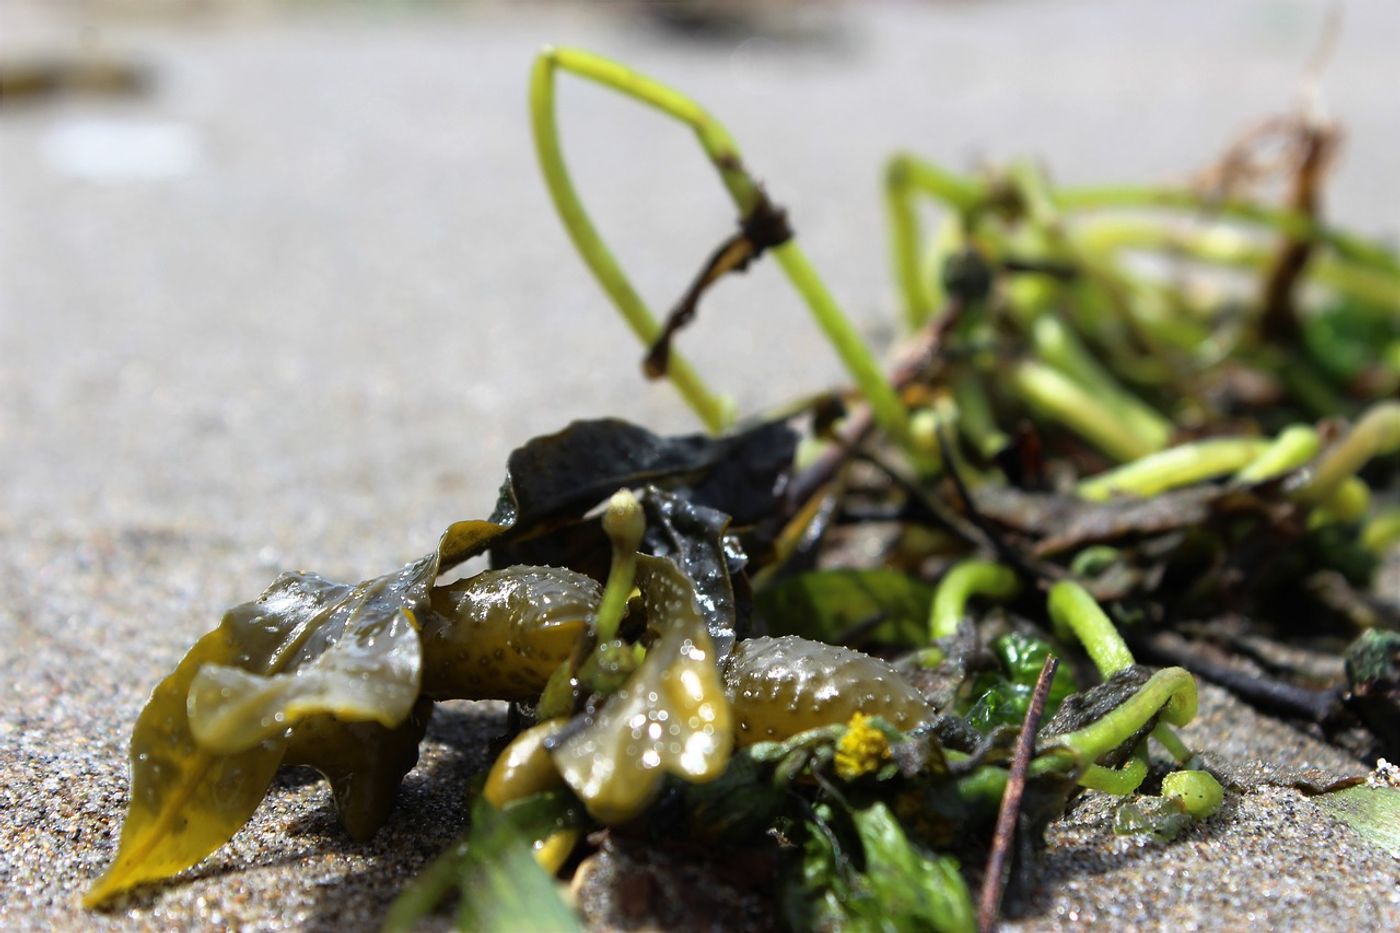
[285, 273]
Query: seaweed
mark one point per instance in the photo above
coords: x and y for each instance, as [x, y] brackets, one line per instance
[842, 659]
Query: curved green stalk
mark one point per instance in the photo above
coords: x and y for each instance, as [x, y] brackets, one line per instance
[1287, 222]
[1117, 781]
[712, 410]
[1054, 395]
[1376, 434]
[906, 176]
[1072, 609]
[969, 578]
[1294, 447]
[1349, 502]
[1170, 692]
[1177, 466]
[723, 153]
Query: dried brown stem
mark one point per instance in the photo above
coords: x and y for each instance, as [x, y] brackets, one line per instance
[764, 228]
[998, 866]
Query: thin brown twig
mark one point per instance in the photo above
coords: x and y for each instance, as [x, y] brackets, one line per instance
[1317, 142]
[765, 227]
[989, 904]
[1269, 694]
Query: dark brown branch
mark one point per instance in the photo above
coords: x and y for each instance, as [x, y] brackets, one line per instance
[764, 228]
[1264, 693]
[1280, 320]
[998, 866]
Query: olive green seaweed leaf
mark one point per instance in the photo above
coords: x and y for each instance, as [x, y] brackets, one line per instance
[671, 715]
[241, 688]
[185, 802]
[371, 673]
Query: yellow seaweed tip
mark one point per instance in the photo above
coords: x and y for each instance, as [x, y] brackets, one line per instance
[862, 750]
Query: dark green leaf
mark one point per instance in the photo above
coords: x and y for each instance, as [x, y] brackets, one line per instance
[914, 891]
[899, 889]
[554, 479]
[1023, 656]
[693, 537]
[1343, 338]
[501, 886]
[738, 807]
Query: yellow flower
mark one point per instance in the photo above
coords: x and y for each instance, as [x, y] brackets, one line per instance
[862, 749]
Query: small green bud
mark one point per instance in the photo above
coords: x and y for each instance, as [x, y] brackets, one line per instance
[1197, 791]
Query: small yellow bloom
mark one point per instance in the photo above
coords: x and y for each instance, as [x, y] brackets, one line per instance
[862, 749]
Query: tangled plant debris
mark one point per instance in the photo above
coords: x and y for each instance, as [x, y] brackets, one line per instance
[1131, 425]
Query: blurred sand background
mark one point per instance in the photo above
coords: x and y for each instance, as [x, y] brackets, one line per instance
[291, 305]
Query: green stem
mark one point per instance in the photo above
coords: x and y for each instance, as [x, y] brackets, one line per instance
[1037, 200]
[975, 419]
[983, 787]
[885, 405]
[712, 410]
[1381, 531]
[1230, 247]
[1057, 345]
[1294, 446]
[723, 153]
[1170, 692]
[905, 236]
[1072, 609]
[1287, 222]
[1376, 434]
[1172, 743]
[624, 524]
[1054, 395]
[1175, 467]
[1117, 781]
[905, 177]
[969, 578]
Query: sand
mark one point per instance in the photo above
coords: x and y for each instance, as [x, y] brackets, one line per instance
[312, 294]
